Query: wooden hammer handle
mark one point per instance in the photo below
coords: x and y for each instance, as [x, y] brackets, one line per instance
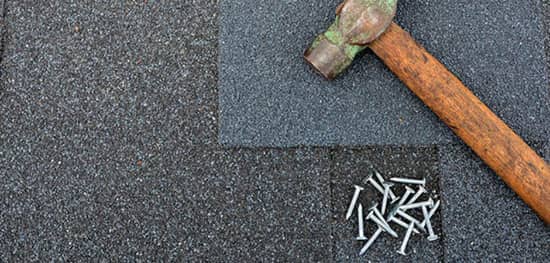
[490, 138]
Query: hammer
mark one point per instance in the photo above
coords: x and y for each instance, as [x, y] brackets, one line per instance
[362, 24]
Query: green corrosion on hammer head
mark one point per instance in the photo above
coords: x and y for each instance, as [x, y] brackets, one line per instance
[358, 22]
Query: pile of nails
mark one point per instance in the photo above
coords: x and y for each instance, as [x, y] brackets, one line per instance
[394, 210]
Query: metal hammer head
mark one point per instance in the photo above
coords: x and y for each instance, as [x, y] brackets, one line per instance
[358, 22]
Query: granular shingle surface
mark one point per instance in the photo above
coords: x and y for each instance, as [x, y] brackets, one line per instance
[91, 96]
[111, 70]
[546, 11]
[270, 97]
[108, 140]
[181, 203]
[482, 217]
[350, 167]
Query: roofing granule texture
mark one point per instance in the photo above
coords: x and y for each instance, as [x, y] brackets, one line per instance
[270, 97]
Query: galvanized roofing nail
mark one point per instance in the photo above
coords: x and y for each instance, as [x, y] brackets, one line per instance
[411, 219]
[398, 207]
[371, 241]
[408, 192]
[392, 212]
[409, 180]
[406, 240]
[401, 223]
[432, 236]
[370, 180]
[361, 235]
[358, 189]
[395, 200]
[377, 213]
[382, 181]
[379, 176]
[421, 190]
[432, 212]
[429, 203]
[385, 198]
[379, 222]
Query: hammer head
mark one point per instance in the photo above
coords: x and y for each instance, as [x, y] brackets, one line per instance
[358, 22]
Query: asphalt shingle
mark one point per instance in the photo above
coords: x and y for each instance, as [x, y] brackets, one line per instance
[179, 203]
[350, 166]
[108, 139]
[270, 97]
[109, 70]
[482, 217]
[546, 12]
[92, 95]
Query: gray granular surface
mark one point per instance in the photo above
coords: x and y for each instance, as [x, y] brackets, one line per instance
[546, 10]
[108, 133]
[112, 71]
[350, 167]
[268, 96]
[181, 203]
[91, 97]
[482, 217]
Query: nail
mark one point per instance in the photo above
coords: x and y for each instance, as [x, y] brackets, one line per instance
[370, 241]
[379, 222]
[406, 240]
[408, 192]
[396, 200]
[385, 198]
[421, 190]
[370, 180]
[358, 189]
[401, 223]
[432, 236]
[382, 181]
[392, 213]
[411, 219]
[379, 176]
[409, 180]
[361, 235]
[429, 203]
[432, 212]
[377, 213]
